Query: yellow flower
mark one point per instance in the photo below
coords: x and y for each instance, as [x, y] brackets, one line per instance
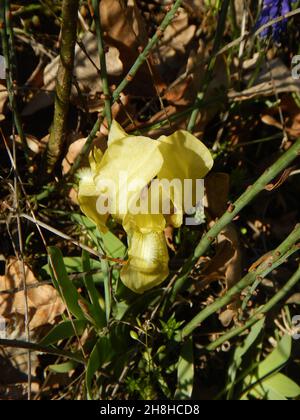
[137, 161]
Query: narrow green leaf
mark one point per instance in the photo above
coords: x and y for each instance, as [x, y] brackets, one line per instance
[240, 352]
[277, 358]
[63, 367]
[63, 331]
[185, 371]
[262, 378]
[282, 385]
[101, 354]
[74, 265]
[97, 313]
[62, 282]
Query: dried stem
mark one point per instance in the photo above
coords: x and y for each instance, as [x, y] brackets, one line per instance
[6, 35]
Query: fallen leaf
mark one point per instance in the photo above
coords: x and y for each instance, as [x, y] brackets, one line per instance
[125, 29]
[294, 299]
[34, 145]
[227, 262]
[75, 149]
[291, 115]
[3, 100]
[274, 76]
[175, 41]
[44, 303]
[86, 73]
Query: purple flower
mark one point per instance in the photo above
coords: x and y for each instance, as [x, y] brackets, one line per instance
[273, 9]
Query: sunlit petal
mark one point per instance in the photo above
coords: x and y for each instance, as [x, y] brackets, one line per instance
[87, 197]
[185, 158]
[147, 266]
[127, 167]
[116, 133]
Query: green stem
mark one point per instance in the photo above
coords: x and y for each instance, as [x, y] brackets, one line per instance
[257, 282]
[259, 313]
[103, 68]
[233, 211]
[211, 64]
[262, 271]
[129, 77]
[6, 34]
[63, 81]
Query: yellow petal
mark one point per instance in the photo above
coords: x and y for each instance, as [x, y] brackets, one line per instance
[87, 197]
[116, 133]
[128, 165]
[185, 158]
[147, 266]
[95, 159]
[145, 223]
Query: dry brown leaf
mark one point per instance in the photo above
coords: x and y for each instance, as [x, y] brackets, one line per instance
[274, 76]
[125, 29]
[195, 6]
[73, 152]
[291, 113]
[227, 263]
[44, 302]
[176, 38]
[294, 299]
[3, 100]
[85, 72]
[34, 145]
[75, 149]
[281, 180]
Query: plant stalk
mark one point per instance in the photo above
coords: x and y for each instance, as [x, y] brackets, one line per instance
[63, 82]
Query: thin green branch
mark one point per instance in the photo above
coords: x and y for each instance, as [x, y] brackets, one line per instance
[212, 61]
[233, 211]
[103, 68]
[259, 313]
[257, 282]
[129, 77]
[262, 271]
[63, 81]
[6, 35]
